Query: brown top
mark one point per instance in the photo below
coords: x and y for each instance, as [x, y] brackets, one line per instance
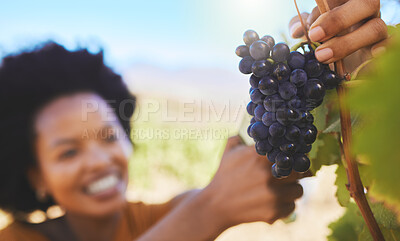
[137, 218]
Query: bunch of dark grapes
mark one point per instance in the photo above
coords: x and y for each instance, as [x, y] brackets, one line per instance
[285, 87]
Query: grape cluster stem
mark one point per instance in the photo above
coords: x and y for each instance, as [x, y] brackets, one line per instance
[355, 185]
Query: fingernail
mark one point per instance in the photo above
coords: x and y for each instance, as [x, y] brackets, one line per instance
[377, 51]
[316, 34]
[324, 54]
[294, 30]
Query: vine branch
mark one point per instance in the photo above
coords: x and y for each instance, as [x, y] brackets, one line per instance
[302, 24]
[355, 185]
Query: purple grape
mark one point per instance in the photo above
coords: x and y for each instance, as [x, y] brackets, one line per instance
[330, 80]
[268, 118]
[259, 50]
[250, 36]
[314, 89]
[253, 120]
[242, 51]
[309, 134]
[259, 131]
[248, 130]
[269, 40]
[254, 81]
[263, 147]
[245, 65]
[281, 72]
[293, 133]
[288, 149]
[273, 102]
[272, 154]
[251, 106]
[256, 96]
[296, 60]
[305, 118]
[295, 103]
[301, 163]
[261, 68]
[268, 85]
[298, 77]
[287, 90]
[280, 52]
[309, 55]
[277, 130]
[300, 93]
[283, 173]
[259, 112]
[312, 104]
[283, 161]
[304, 148]
[286, 116]
[275, 172]
[313, 68]
[276, 141]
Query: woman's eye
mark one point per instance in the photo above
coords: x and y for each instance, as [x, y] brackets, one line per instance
[69, 154]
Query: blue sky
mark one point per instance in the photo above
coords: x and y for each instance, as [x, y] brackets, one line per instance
[171, 34]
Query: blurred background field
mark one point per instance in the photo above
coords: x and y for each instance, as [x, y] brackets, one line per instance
[178, 58]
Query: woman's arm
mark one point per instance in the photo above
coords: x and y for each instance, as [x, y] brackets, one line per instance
[193, 218]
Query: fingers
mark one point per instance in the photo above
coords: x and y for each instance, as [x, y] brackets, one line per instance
[379, 48]
[313, 16]
[281, 211]
[375, 30]
[295, 28]
[287, 193]
[305, 174]
[286, 210]
[232, 142]
[340, 18]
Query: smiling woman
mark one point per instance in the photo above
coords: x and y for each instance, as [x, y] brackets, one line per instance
[55, 151]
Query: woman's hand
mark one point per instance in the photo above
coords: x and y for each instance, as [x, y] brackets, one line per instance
[350, 31]
[244, 190]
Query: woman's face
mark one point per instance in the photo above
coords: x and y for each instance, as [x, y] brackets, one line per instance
[82, 153]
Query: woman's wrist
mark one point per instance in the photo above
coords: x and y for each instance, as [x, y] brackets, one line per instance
[210, 211]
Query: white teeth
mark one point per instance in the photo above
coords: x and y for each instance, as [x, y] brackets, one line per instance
[102, 184]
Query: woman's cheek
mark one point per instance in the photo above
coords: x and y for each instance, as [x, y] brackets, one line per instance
[63, 180]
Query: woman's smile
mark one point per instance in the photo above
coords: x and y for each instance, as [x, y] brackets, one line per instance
[104, 186]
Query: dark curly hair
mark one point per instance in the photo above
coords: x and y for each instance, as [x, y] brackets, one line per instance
[28, 81]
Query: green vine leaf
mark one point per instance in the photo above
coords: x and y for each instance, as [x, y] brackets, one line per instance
[335, 126]
[387, 222]
[320, 114]
[351, 226]
[326, 151]
[377, 101]
[342, 193]
[348, 226]
[389, 234]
